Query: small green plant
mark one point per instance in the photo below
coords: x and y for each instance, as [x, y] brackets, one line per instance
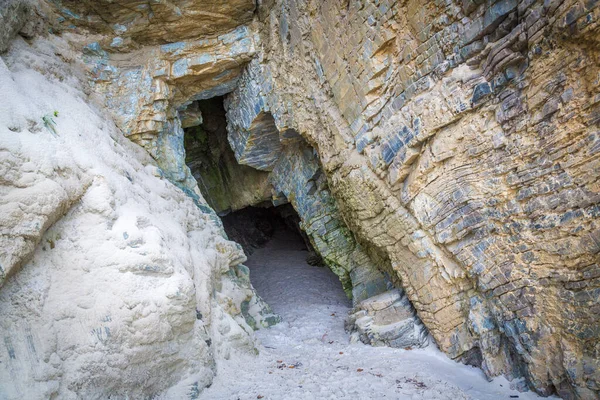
[49, 122]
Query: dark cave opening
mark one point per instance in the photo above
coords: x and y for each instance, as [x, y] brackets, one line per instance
[244, 198]
[225, 184]
[255, 201]
[254, 227]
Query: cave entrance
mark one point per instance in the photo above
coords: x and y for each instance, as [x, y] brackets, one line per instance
[225, 184]
[253, 214]
[252, 200]
[254, 227]
[241, 195]
[228, 186]
[287, 273]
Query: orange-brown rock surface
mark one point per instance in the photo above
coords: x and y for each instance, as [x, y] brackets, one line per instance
[450, 146]
[461, 141]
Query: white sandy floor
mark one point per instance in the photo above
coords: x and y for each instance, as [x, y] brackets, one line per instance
[308, 355]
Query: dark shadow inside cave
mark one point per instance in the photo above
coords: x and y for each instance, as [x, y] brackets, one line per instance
[225, 184]
[241, 195]
[254, 227]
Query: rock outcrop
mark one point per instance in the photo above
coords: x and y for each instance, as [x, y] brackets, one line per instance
[115, 283]
[13, 16]
[442, 156]
[459, 142]
[388, 319]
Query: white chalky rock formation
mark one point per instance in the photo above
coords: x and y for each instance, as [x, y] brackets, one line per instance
[113, 268]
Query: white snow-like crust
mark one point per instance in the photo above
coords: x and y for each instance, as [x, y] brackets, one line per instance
[114, 289]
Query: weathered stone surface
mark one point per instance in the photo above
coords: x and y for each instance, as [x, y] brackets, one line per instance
[30, 200]
[145, 96]
[449, 148]
[13, 15]
[156, 22]
[115, 283]
[258, 145]
[190, 116]
[252, 131]
[388, 319]
[146, 88]
[461, 148]
[297, 175]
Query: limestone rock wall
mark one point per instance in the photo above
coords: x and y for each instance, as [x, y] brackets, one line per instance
[148, 62]
[296, 176]
[130, 24]
[147, 88]
[460, 140]
[449, 148]
[115, 283]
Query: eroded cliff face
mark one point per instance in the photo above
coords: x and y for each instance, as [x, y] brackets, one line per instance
[460, 140]
[441, 155]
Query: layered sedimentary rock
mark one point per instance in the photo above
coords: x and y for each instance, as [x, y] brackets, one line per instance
[387, 319]
[131, 24]
[450, 149]
[459, 140]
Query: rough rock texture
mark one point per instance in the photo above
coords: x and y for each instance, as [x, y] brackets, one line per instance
[460, 141]
[296, 176]
[145, 89]
[130, 24]
[13, 16]
[388, 320]
[449, 148]
[132, 290]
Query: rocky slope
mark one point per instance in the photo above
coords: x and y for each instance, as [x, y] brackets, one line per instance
[446, 148]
